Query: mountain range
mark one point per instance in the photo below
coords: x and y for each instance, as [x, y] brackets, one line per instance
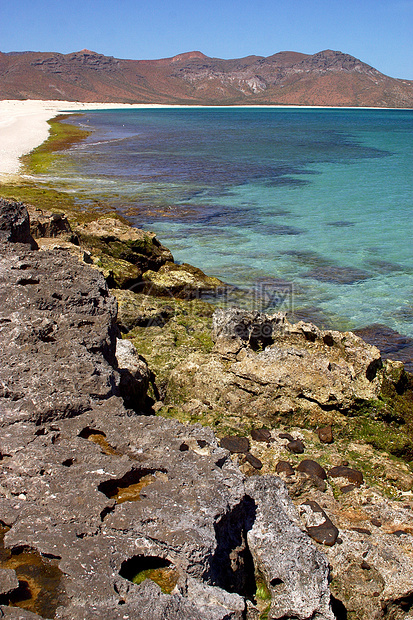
[328, 78]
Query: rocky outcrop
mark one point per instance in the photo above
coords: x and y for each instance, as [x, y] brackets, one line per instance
[108, 514]
[263, 366]
[44, 223]
[181, 281]
[58, 330]
[111, 237]
[14, 223]
[105, 513]
[129, 258]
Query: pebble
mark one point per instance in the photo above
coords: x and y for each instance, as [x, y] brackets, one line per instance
[236, 445]
[286, 436]
[325, 434]
[296, 446]
[312, 468]
[347, 488]
[261, 434]
[253, 460]
[284, 467]
[361, 530]
[326, 533]
[353, 475]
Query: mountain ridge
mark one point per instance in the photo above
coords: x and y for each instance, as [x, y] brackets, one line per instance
[327, 78]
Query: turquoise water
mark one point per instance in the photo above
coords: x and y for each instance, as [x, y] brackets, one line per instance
[315, 203]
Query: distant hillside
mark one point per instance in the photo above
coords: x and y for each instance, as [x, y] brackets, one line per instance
[327, 78]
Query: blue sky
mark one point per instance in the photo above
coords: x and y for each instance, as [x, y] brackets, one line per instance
[379, 32]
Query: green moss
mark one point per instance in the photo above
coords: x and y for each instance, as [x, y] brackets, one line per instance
[262, 592]
[384, 437]
[166, 578]
[78, 210]
[118, 273]
[61, 137]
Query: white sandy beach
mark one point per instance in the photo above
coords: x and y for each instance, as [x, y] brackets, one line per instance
[23, 126]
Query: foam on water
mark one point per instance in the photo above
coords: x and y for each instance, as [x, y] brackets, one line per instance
[319, 198]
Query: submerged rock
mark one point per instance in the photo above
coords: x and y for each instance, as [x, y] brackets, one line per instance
[394, 346]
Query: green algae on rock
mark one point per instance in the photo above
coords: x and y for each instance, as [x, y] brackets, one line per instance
[61, 137]
[39, 587]
[182, 281]
[112, 237]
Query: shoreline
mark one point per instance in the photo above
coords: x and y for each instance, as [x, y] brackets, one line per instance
[23, 123]
[24, 126]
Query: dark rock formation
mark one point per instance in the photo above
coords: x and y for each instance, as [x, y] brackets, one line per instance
[129, 524]
[14, 223]
[58, 330]
[325, 434]
[284, 466]
[296, 446]
[235, 444]
[319, 525]
[351, 475]
[44, 223]
[261, 434]
[312, 468]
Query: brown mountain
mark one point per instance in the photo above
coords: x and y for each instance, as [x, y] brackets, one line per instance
[327, 78]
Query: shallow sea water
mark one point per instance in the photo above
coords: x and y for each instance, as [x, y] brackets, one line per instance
[310, 209]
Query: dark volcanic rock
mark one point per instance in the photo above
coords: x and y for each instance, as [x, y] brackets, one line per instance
[325, 434]
[286, 436]
[17, 613]
[319, 525]
[235, 444]
[253, 460]
[284, 467]
[8, 581]
[312, 468]
[103, 494]
[296, 446]
[59, 313]
[261, 434]
[14, 223]
[352, 475]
